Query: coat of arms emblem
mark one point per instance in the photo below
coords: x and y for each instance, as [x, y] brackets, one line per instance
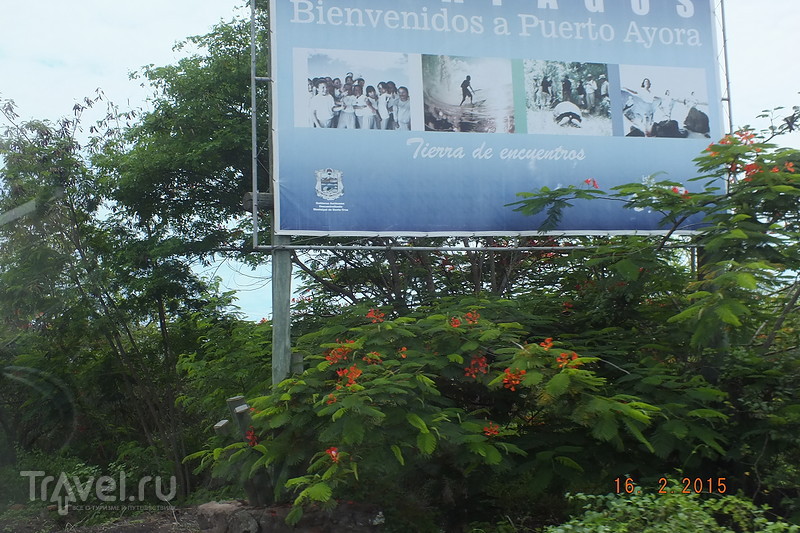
[329, 184]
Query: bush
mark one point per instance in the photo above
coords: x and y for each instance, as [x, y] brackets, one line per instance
[669, 513]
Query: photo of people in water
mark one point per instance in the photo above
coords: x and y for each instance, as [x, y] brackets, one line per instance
[466, 94]
[664, 102]
[347, 89]
[567, 98]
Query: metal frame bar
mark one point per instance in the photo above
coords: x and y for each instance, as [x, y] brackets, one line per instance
[400, 248]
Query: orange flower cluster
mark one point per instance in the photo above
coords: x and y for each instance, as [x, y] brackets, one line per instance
[335, 355]
[746, 136]
[492, 430]
[472, 317]
[331, 399]
[455, 322]
[402, 351]
[476, 366]
[333, 453]
[250, 436]
[591, 182]
[547, 343]
[351, 374]
[683, 192]
[372, 358]
[564, 359]
[512, 379]
[376, 316]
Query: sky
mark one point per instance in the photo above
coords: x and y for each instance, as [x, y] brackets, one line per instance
[53, 53]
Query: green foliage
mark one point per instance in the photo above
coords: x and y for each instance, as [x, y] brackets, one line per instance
[667, 513]
[433, 407]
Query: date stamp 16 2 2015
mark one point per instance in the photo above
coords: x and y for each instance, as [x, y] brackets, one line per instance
[688, 485]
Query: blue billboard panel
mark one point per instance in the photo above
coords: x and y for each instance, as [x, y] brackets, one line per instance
[452, 107]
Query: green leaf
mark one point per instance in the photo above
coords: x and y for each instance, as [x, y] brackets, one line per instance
[294, 515]
[605, 428]
[319, 492]
[726, 314]
[353, 432]
[736, 234]
[417, 422]
[627, 269]
[707, 413]
[558, 384]
[566, 461]
[398, 454]
[532, 378]
[686, 314]
[676, 428]
[491, 454]
[636, 432]
[746, 280]
[470, 346]
[455, 358]
[426, 443]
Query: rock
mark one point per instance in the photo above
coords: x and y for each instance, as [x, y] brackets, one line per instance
[235, 517]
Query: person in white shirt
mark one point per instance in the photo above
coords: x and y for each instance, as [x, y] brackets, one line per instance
[363, 113]
[373, 117]
[321, 105]
[347, 118]
[384, 104]
[403, 110]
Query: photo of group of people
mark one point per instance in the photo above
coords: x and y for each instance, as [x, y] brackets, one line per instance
[346, 89]
[567, 98]
[365, 95]
[664, 102]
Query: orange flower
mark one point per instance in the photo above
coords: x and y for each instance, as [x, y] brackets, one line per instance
[402, 352]
[472, 317]
[372, 358]
[331, 399]
[789, 166]
[751, 168]
[476, 366]
[333, 453]
[547, 343]
[375, 315]
[455, 322]
[492, 430]
[564, 359]
[592, 182]
[250, 436]
[351, 374]
[335, 355]
[512, 379]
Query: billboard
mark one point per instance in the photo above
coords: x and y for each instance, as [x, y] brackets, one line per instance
[427, 117]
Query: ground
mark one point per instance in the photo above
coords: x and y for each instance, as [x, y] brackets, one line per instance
[183, 520]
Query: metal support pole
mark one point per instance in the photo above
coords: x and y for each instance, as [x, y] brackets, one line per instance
[727, 67]
[281, 310]
[254, 119]
[281, 257]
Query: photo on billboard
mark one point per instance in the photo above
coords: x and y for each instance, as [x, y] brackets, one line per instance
[357, 89]
[664, 102]
[567, 98]
[468, 94]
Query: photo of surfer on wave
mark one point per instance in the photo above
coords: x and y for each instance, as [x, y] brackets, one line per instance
[453, 103]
